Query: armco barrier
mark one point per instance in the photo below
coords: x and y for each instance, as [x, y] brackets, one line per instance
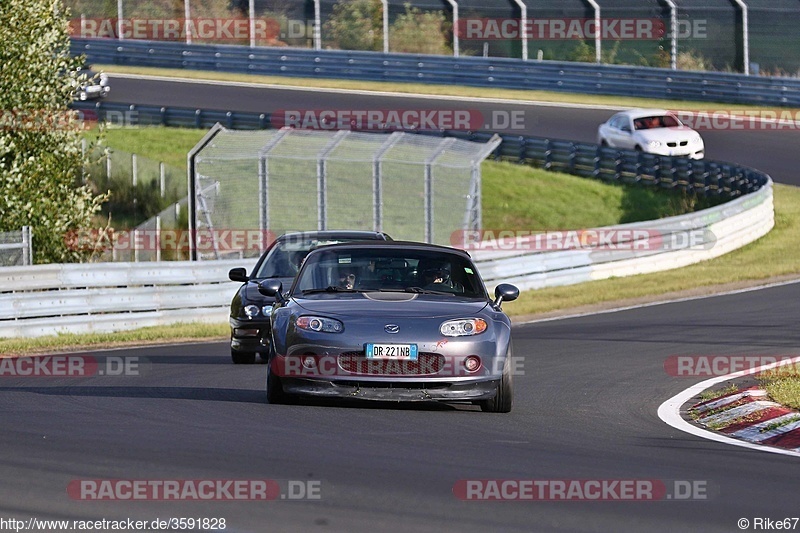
[704, 177]
[502, 73]
[82, 298]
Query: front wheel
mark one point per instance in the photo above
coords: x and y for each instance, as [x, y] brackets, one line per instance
[274, 389]
[501, 403]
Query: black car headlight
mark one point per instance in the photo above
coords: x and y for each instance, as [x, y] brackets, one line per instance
[318, 323]
[463, 327]
[251, 311]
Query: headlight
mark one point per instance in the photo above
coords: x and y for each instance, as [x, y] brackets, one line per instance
[251, 311]
[654, 144]
[317, 323]
[266, 310]
[463, 327]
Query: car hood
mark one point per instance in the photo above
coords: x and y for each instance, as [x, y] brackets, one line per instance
[678, 133]
[391, 304]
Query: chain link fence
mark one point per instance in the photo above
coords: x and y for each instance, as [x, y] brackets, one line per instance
[16, 247]
[270, 182]
[710, 33]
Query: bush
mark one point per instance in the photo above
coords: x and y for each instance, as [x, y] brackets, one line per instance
[355, 25]
[418, 32]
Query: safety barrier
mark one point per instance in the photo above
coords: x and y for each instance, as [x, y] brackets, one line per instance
[703, 177]
[82, 298]
[505, 73]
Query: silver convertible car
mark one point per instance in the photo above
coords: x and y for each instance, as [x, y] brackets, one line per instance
[390, 321]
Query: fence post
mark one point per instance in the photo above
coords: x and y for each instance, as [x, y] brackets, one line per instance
[163, 179]
[27, 247]
[158, 238]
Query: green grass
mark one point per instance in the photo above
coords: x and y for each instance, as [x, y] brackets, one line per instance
[784, 390]
[713, 394]
[170, 145]
[773, 255]
[156, 334]
[422, 88]
[519, 197]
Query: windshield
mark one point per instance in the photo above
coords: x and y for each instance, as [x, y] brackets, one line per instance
[381, 269]
[285, 258]
[656, 121]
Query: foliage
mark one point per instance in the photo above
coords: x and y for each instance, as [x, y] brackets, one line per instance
[693, 60]
[419, 32]
[355, 25]
[41, 160]
[358, 25]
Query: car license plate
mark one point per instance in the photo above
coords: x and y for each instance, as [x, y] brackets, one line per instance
[392, 351]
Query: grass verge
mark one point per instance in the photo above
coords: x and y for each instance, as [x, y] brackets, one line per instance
[774, 255]
[783, 389]
[153, 335]
[429, 89]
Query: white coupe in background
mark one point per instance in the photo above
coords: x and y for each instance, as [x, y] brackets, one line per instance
[655, 131]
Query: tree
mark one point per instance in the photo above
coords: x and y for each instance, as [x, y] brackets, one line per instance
[41, 162]
[356, 25]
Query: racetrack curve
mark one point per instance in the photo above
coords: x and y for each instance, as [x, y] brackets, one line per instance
[771, 151]
[585, 408]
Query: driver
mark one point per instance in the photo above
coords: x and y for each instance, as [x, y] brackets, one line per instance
[436, 276]
[347, 278]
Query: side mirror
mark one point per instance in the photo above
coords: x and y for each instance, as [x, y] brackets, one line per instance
[271, 288]
[238, 274]
[505, 293]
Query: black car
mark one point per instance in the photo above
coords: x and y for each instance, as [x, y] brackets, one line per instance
[250, 310]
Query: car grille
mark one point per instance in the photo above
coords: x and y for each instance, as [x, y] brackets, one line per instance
[675, 144]
[426, 364]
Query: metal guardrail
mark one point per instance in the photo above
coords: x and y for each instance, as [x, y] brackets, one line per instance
[703, 177]
[502, 73]
[97, 297]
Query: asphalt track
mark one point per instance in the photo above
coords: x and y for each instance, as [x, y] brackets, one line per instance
[772, 151]
[585, 409]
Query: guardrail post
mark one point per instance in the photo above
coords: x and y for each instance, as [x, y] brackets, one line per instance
[573, 153]
[548, 152]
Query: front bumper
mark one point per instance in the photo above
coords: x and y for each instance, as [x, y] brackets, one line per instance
[416, 391]
[249, 335]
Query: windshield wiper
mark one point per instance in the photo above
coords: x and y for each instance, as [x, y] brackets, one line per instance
[420, 290]
[330, 288]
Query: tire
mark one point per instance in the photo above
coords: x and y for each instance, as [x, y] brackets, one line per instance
[243, 358]
[638, 148]
[603, 142]
[501, 403]
[274, 388]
